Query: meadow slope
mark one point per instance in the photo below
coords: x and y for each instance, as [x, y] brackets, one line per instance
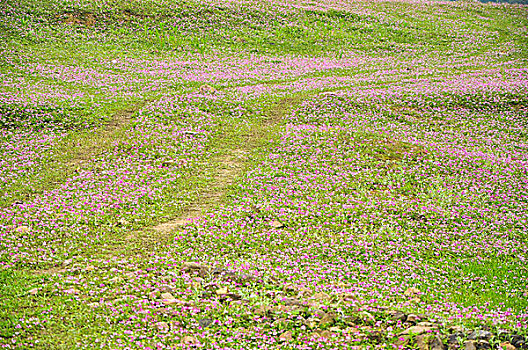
[263, 174]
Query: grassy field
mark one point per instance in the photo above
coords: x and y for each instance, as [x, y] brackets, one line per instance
[230, 174]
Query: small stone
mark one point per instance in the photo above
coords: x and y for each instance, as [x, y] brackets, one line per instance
[123, 222]
[503, 333]
[480, 335]
[67, 262]
[169, 299]
[437, 344]
[233, 296]
[154, 294]
[205, 322]
[368, 317]
[426, 324]
[210, 286]
[518, 341]
[326, 334]
[422, 343]
[416, 330]
[375, 335]
[167, 295]
[170, 302]
[351, 320]
[457, 329]
[189, 340]
[218, 271]
[402, 342]
[189, 266]
[195, 268]
[33, 291]
[412, 318]
[507, 346]
[327, 320]
[455, 338]
[397, 316]
[470, 345]
[291, 302]
[163, 327]
[262, 310]
[483, 345]
[348, 297]
[286, 336]
[166, 289]
[222, 291]
[245, 278]
[412, 291]
[170, 162]
[321, 296]
[207, 89]
[277, 224]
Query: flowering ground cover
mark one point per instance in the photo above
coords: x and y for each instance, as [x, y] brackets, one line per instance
[263, 174]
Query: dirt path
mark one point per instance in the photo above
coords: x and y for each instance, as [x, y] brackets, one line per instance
[231, 164]
[94, 144]
[69, 155]
[229, 167]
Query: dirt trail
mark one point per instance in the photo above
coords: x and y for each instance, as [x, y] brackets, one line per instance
[70, 155]
[230, 166]
[98, 142]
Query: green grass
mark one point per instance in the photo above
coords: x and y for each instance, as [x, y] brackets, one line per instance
[203, 29]
[415, 36]
[497, 282]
